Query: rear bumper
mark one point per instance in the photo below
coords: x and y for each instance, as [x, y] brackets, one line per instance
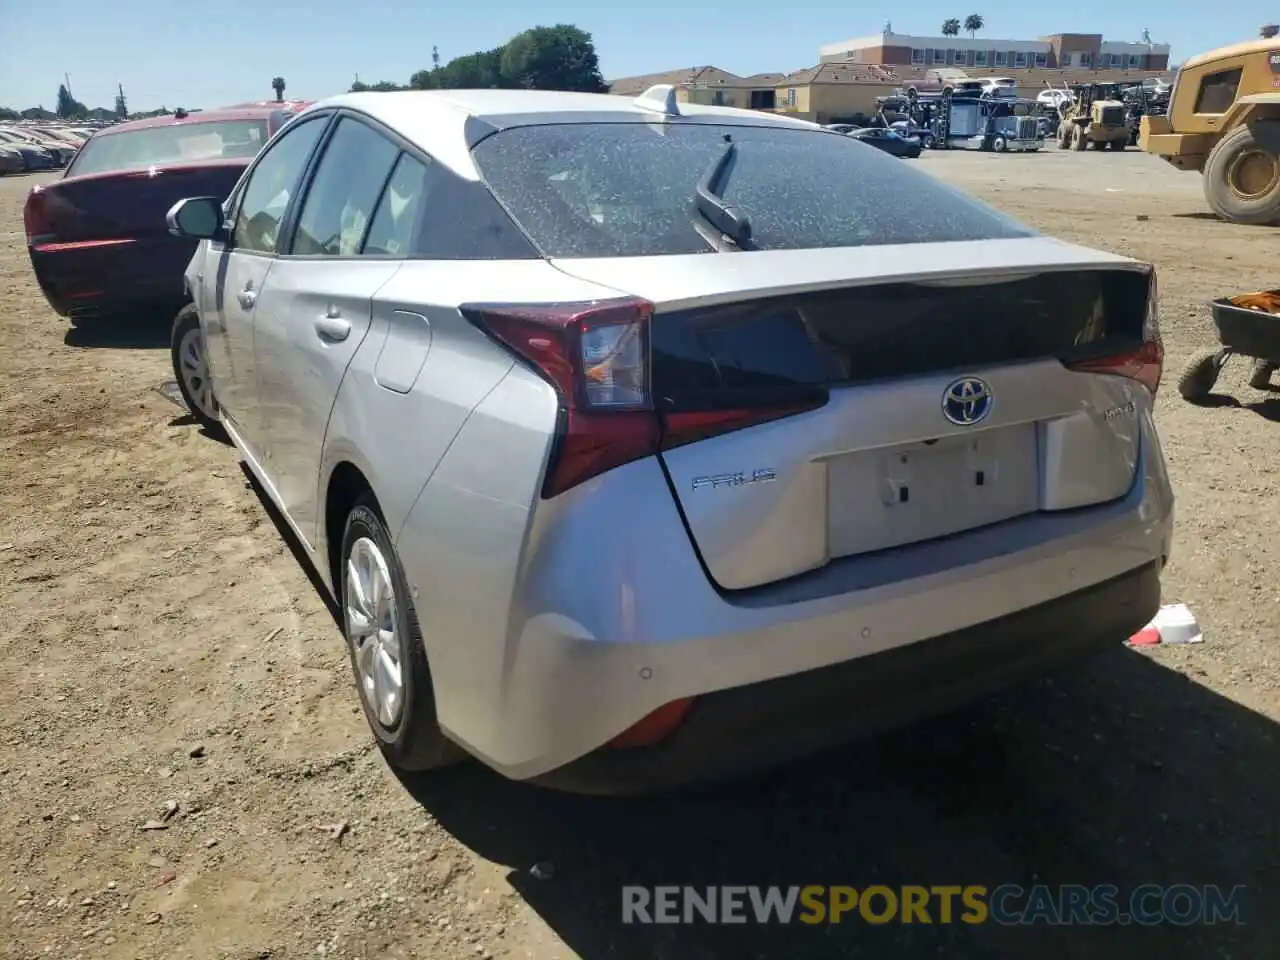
[96, 280]
[550, 632]
[732, 732]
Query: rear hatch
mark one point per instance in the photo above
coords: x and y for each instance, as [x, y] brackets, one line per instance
[820, 404]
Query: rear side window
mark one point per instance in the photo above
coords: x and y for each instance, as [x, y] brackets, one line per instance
[177, 143]
[1218, 92]
[399, 210]
[627, 189]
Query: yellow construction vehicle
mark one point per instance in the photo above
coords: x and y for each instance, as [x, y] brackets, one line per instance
[1096, 115]
[1224, 121]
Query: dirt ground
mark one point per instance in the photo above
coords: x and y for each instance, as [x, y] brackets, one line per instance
[160, 645]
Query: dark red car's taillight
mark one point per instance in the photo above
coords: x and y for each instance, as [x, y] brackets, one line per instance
[34, 218]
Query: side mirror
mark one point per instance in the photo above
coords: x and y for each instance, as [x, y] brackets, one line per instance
[197, 218]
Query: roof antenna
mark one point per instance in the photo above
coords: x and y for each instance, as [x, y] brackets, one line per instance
[660, 98]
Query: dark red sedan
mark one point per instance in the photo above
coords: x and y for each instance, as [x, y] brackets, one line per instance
[97, 237]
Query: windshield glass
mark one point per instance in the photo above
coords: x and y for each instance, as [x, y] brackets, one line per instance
[627, 189]
[178, 143]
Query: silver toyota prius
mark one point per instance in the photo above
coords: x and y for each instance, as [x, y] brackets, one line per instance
[644, 442]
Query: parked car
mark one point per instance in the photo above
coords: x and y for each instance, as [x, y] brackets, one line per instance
[97, 238]
[11, 160]
[614, 495]
[59, 153]
[890, 141]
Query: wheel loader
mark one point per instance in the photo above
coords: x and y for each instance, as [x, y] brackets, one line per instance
[1223, 120]
[1097, 115]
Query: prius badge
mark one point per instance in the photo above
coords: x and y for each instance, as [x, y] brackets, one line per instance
[966, 401]
[743, 477]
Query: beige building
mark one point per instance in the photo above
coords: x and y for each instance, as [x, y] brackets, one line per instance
[838, 92]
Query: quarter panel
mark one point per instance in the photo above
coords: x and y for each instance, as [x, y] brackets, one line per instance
[463, 545]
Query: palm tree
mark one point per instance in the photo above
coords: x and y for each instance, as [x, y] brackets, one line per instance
[277, 84]
[951, 28]
[973, 23]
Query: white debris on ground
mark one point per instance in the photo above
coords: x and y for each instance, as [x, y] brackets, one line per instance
[1173, 623]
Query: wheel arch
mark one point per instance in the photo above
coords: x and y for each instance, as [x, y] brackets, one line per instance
[346, 485]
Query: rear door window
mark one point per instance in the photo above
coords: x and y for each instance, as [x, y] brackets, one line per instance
[172, 144]
[627, 189]
[344, 192]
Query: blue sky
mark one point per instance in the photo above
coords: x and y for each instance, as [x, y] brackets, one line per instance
[208, 54]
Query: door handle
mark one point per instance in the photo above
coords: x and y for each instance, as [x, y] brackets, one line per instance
[332, 327]
[247, 299]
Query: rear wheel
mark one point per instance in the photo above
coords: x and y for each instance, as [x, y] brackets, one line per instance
[385, 645]
[1242, 174]
[191, 368]
[1200, 374]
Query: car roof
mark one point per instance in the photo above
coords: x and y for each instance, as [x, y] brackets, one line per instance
[448, 123]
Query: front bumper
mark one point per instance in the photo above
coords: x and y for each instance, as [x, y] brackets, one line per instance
[737, 731]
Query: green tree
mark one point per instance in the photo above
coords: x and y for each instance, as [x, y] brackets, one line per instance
[973, 23]
[68, 107]
[552, 58]
[481, 70]
[951, 27]
[277, 84]
[382, 86]
[425, 79]
[8, 114]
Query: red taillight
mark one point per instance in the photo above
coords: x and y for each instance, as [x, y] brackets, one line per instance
[596, 355]
[654, 727]
[35, 219]
[1145, 363]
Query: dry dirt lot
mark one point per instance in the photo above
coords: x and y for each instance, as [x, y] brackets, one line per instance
[160, 645]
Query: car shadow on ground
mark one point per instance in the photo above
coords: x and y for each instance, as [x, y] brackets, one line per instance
[1121, 772]
[295, 547]
[145, 330]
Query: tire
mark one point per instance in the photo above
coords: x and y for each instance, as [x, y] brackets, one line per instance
[927, 141]
[1079, 139]
[1199, 375]
[999, 144]
[1245, 152]
[191, 369]
[405, 724]
[1260, 374]
[1119, 145]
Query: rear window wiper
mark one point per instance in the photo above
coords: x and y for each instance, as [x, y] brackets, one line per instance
[710, 203]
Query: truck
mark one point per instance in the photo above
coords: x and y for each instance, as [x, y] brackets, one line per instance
[979, 117]
[1223, 121]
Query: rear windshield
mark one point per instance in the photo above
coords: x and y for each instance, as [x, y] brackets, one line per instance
[627, 189]
[178, 143]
